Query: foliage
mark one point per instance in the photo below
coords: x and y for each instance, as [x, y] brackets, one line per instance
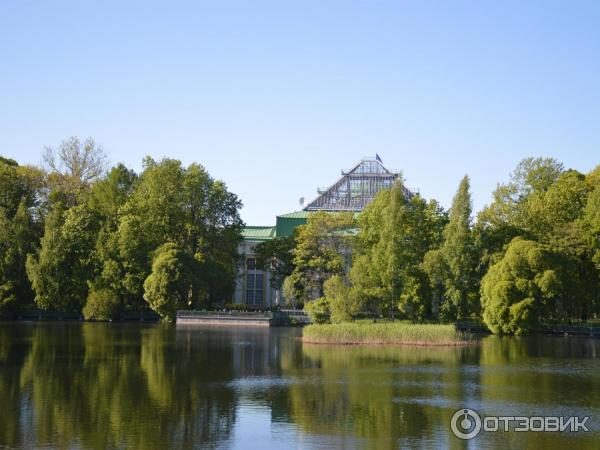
[185, 206]
[532, 176]
[66, 261]
[103, 230]
[73, 167]
[77, 234]
[322, 250]
[289, 291]
[169, 285]
[460, 258]
[519, 288]
[107, 198]
[318, 310]
[436, 269]
[276, 256]
[561, 203]
[102, 304]
[342, 303]
[22, 207]
[394, 236]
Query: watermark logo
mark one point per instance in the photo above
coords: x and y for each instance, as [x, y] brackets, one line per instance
[468, 423]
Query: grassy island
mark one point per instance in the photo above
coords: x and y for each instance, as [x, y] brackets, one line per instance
[399, 333]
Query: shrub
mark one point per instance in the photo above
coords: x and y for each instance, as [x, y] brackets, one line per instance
[102, 304]
[318, 310]
[341, 302]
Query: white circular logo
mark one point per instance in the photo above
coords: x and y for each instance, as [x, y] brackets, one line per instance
[465, 423]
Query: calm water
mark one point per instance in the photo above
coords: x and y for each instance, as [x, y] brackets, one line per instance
[73, 385]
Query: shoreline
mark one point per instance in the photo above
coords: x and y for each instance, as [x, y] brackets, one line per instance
[555, 330]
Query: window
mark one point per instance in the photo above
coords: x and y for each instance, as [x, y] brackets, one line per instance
[259, 292]
[255, 284]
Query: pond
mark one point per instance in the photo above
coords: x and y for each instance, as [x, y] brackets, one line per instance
[149, 386]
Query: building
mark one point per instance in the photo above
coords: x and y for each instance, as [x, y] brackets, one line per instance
[353, 191]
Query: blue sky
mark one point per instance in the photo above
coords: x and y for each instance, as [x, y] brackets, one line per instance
[275, 98]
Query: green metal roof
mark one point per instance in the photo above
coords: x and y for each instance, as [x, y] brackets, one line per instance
[251, 233]
[286, 223]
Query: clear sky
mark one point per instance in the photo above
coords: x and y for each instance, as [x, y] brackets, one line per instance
[275, 98]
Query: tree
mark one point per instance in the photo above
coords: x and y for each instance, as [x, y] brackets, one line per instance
[73, 167]
[322, 250]
[520, 288]
[436, 269]
[591, 224]
[109, 194]
[21, 207]
[458, 251]
[66, 262]
[169, 285]
[507, 217]
[562, 202]
[107, 197]
[185, 206]
[364, 275]
[21, 184]
[393, 239]
[509, 214]
[17, 238]
[276, 256]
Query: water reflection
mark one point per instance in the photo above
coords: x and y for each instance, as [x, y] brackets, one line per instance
[73, 385]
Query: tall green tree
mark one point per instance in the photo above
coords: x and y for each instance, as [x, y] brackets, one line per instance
[364, 275]
[22, 206]
[323, 248]
[591, 224]
[387, 272]
[459, 253]
[106, 198]
[67, 260]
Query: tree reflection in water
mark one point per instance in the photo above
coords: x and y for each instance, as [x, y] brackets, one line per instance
[87, 385]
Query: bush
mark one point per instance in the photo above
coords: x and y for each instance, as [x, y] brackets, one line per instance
[318, 310]
[101, 304]
[341, 302]
[8, 299]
